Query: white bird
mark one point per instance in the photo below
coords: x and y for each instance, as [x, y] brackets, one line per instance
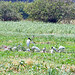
[54, 49]
[35, 48]
[28, 42]
[51, 51]
[44, 49]
[61, 48]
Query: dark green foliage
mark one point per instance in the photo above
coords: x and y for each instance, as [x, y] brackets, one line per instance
[43, 10]
[49, 10]
[20, 8]
[8, 12]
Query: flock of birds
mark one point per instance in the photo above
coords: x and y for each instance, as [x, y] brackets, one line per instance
[33, 48]
[60, 49]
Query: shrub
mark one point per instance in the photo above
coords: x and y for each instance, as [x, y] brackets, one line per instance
[8, 12]
[48, 10]
[20, 8]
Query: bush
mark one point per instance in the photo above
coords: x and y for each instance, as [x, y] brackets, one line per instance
[8, 12]
[20, 8]
[69, 14]
[48, 10]
[43, 10]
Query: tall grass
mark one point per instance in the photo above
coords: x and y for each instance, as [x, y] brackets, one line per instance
[45, 35]
[18, 32]
[29, 27]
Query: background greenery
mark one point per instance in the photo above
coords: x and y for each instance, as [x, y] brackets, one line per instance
[43, 10]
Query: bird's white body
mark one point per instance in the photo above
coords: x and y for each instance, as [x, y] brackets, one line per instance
[36, 48]
[44, 49]
[51, 51]
[61, 47]
[28, 42]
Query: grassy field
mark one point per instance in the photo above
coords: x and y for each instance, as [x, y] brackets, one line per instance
[25, 63]
[45, 35]
[29, 27]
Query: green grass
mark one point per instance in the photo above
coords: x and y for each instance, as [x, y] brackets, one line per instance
[18, 32]
[45, 35]
[41, 41]
[39, 63]
[29, 27]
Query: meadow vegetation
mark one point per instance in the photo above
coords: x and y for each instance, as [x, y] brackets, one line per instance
[15, 28]
[34, 63]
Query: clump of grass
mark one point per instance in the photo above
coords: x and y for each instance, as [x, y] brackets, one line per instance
[29, 61]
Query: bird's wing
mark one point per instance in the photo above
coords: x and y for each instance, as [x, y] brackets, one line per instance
[34, 47]
[61, 47]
